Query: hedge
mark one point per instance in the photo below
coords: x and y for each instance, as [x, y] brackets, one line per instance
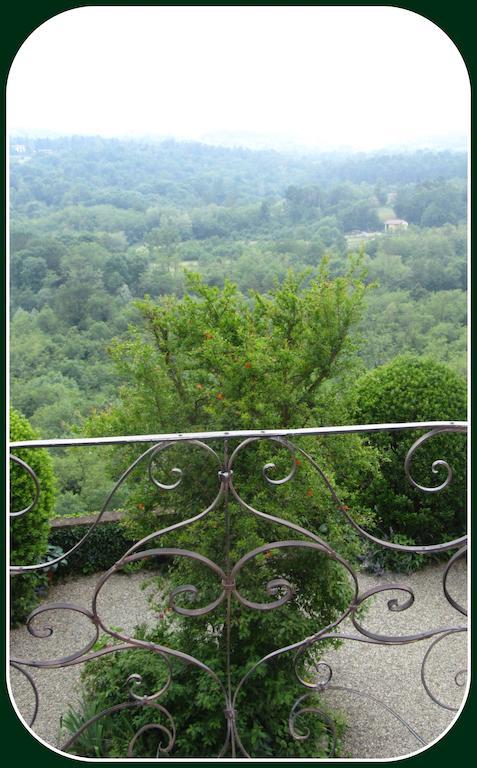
[104, 546]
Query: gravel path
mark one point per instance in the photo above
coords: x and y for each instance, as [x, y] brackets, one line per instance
[393, 673]
[390, 673]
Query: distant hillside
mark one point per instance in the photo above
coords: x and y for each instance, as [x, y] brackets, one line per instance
[62, 171]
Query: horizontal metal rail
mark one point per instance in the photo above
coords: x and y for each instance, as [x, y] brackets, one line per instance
[240, 433]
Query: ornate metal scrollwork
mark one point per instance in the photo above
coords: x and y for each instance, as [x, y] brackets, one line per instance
[300, 709]
[314, 674]
[459, 677]
[161, 730]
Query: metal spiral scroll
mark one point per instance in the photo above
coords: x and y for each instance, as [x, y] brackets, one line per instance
[149, 454]
[161, 730]
[278, 590]
[394, 605]
[459, 677]
[134, 554]
[36, 483]
[298, 710]
[436, 465]
[459, 555]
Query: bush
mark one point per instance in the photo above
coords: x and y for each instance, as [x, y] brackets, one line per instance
[28, 532]
[215, 360]
[105, 544]
[377, 559]
[196, 706]
[322, 592]
[405, 390]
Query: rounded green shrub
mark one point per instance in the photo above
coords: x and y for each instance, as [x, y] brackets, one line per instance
[105, 544]
[28, 532]
[410, 389]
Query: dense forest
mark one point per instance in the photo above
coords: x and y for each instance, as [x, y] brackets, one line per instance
[98, 223]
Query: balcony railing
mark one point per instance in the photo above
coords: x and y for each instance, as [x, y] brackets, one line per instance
[225, 453]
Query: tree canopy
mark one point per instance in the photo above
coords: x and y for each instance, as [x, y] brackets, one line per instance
[215, 359]
[97, 224]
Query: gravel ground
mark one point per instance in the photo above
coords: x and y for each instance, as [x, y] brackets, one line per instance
[391, 673]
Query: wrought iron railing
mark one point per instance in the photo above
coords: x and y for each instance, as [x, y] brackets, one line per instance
[224, 450]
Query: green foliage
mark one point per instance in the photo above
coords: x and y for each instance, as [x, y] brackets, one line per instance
[377, 559]
[135, 176]
[84, 481]
[28, 532]
[360, 215]
[420, 305]
[94, 742]
[202, 361]
[105, 545]
[413, 389]
[433, 203]
[434, 327]
[218, 361]
[432, 259]
[196, 704]
[96, 224]
[52, 553]
[82, 248]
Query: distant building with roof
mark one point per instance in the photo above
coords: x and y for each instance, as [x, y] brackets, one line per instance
[394, 225]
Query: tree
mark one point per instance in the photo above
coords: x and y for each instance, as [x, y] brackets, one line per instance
[214, 360]
[408, 389]
[359, 215]
[303, 203]
[197, 362]
[433, 203]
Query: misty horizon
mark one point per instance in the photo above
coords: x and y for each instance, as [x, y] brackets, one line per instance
[288, 78]
[256, 141]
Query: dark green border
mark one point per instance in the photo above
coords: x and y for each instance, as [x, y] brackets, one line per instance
[454, 19]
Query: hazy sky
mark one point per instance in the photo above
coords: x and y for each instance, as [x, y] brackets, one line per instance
[325, 76]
